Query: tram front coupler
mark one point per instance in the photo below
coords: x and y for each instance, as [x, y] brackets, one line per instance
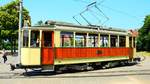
[15, 66]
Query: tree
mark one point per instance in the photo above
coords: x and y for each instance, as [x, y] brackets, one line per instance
[7, 26]
[143, 41]
[9, 19]
[39, 23]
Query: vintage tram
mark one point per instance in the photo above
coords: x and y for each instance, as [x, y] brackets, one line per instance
[55, 45]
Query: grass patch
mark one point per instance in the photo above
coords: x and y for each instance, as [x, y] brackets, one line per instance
[143, 53]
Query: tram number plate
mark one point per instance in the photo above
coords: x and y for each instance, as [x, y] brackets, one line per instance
[98, 52]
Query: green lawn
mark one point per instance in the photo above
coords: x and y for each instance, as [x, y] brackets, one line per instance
[143, 53]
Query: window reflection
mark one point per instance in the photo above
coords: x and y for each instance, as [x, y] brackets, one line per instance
[34, 39]
[114, 41]
[122, 41]
[66, 39]
[104, 41]
[93, 41]
[80, 40]
[25, 38]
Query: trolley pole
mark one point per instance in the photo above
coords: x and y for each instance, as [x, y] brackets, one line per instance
[19, 30]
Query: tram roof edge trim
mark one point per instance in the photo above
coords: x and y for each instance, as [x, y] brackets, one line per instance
[92, 27]
[76, 29]
[77, 26]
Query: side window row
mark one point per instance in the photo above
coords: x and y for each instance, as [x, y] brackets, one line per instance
[67, 39]
[82, 40]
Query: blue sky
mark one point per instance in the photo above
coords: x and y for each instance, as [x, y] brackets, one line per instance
[126, 14]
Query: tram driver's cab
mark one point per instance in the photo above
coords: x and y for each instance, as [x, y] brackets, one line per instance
[34, 45]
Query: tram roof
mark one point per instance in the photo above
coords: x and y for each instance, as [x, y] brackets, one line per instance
[74, 27]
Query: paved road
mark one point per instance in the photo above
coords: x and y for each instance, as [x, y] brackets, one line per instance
[136, 74]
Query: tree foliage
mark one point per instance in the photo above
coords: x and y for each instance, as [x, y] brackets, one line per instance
[11, 11]
[143, 41]
[40, 22]
[9, 20]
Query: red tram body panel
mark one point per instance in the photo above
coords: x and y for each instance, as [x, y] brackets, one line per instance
[63, 53]
[47, 56]
[50, 54]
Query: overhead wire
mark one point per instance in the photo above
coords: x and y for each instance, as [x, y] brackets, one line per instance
[85, 19]
[88, 7]
[110, 8]
[76, 20]
[118, 11]
[107, 7]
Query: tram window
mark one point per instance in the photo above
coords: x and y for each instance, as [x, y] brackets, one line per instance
[47, 40]
[80, 40]
[130, 42]
[122, 41]
[114, 41]
[104, 41]
[66, 39]
[34, 39]
[93, 41]
[25, 38]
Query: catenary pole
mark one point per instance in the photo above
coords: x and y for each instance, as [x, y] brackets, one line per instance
[19, 30]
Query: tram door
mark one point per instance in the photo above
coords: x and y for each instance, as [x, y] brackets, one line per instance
[47, 47]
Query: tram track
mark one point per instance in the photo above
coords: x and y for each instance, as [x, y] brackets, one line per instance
[91, 76]
[87, 74]
[119, 71]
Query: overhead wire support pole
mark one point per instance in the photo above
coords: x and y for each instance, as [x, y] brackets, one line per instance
[19, 30]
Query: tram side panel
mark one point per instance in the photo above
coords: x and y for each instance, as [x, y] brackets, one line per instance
[47, 55]
[83, 55]
[30, 56]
